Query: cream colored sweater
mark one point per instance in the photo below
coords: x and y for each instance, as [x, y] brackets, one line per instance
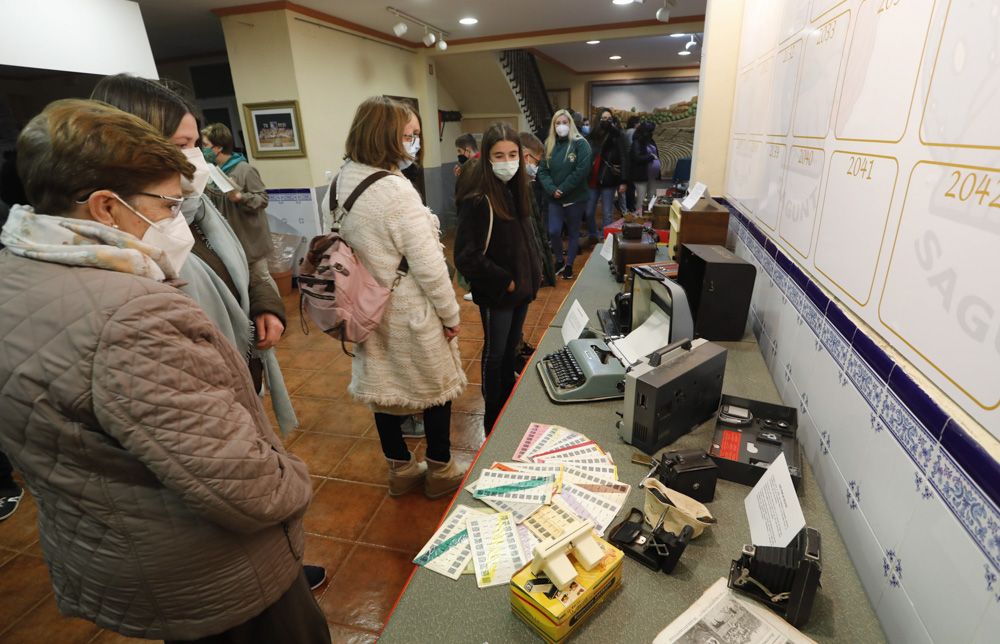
[406, 362]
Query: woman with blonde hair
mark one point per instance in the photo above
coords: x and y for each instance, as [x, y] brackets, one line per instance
[410, 364]
[563, 174]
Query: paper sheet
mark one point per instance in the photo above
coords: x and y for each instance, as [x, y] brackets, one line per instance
[550, 521]
[576, 321]
[773, 508]
[651, 335]
[588, 452]
[520, 511]
[448, 551]
[590, 507]
[534, 432]
[220, 179]
[519, 487]
[694, 194]
[608, 248]
[496, 549]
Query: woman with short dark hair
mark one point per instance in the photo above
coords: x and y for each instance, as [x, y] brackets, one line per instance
[410, 363]
[494, 249]
[167, 507]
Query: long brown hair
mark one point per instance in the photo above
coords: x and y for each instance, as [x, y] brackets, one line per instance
[477, 179]
[152, 101]
[376, 135]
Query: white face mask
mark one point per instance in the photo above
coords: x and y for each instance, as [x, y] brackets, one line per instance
[505, 170]
[172, 236]
[411, 149]
[562, 129]
[196, 185]
[531, 169]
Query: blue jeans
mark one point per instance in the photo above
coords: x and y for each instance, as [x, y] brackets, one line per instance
[569, 216]
[607, 196]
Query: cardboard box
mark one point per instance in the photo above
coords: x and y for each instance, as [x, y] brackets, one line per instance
[706, 223]
[555, 614]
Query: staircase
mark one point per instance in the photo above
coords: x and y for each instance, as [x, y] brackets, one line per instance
[521, 71]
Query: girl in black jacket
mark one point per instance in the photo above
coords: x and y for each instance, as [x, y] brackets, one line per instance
[494, 250]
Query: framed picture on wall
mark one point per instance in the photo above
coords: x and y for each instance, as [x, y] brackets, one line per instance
[275, 129]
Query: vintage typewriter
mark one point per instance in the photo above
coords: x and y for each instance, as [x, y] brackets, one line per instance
[785, 579]
[583, 370]
[589, 369]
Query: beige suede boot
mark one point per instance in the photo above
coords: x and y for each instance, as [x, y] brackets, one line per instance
[443, 478]
[405, 475]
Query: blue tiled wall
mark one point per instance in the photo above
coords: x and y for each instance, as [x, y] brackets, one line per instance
[914, 495]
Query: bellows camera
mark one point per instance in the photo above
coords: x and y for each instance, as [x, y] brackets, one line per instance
[785, 579]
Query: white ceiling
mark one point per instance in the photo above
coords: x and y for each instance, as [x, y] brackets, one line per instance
[187, 27]
[636, 53]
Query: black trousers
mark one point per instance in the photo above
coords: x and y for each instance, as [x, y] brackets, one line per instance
[296, 617]
[437, 427]
[7, 483]
[502, 332]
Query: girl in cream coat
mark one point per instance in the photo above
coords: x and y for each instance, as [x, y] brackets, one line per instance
[411, 363]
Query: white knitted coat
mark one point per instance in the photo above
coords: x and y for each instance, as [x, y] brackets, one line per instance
[407, 362]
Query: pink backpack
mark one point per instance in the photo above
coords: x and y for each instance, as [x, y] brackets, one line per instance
[335, 288]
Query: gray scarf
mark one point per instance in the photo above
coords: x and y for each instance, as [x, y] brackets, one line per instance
[215, 299]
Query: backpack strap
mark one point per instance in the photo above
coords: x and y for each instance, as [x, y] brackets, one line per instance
[404, 266]
[358, 190]
[489, 231]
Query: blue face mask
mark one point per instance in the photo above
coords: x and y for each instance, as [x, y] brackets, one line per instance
[585, 129]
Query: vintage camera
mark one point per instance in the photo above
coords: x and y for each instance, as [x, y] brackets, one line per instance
[785, 579]
[656, 549]
[690, 472]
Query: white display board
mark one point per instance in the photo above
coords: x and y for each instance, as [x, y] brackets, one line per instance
[82, 36]
[866, 144]
[294, 211]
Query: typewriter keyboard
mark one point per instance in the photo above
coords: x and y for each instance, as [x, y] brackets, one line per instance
[564, 371]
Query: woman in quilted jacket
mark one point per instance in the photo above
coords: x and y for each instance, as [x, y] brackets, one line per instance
[167, 507]
[410, 363]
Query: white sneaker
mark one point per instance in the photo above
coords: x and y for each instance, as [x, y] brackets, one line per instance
[467, 297]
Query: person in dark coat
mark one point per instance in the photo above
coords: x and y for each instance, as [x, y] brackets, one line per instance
[609, 171]
[495, 251]
[642, 155]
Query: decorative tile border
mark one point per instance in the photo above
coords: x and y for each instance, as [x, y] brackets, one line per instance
[949, 462]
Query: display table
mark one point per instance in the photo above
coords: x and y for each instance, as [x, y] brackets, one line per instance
[435, 608]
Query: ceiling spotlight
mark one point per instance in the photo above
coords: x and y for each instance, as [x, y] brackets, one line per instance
[684, 52]
[663, 13]
[468, 21]
[678, 35]
[400, 29]
[429, 39]
[442, 45]
[614, 57]
[691, 43]
[593, 42]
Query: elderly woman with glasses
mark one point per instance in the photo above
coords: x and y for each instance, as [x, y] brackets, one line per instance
[167, 507]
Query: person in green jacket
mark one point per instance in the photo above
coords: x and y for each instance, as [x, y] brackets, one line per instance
[563, 174]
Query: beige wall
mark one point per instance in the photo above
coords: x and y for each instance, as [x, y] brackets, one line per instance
[720, 54]
[335, 72]
[260, 57]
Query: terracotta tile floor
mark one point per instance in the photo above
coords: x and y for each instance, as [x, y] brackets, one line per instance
[365, 540]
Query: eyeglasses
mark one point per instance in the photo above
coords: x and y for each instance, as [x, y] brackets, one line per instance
[175, 202]
[410, 138]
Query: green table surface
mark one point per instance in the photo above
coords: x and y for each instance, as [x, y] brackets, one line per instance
[436, 608]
